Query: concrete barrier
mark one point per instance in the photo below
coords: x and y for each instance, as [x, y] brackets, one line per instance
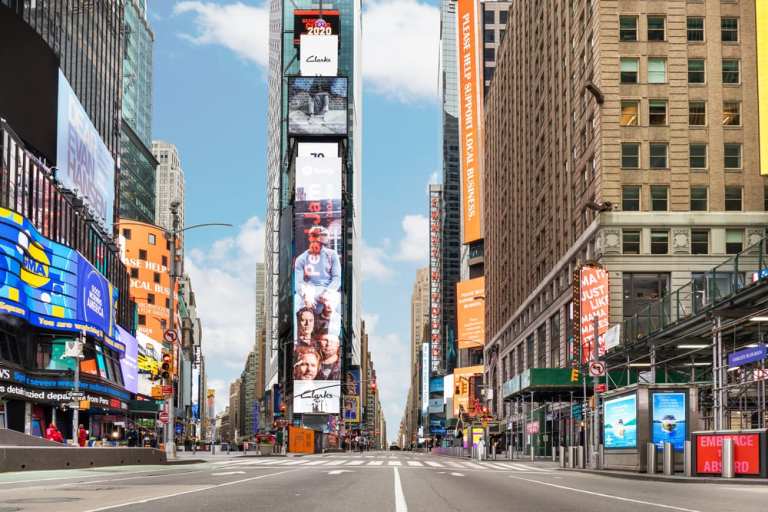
[13, 438]
[30, 458]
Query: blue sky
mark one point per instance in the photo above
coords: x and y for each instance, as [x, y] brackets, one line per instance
[210, 100]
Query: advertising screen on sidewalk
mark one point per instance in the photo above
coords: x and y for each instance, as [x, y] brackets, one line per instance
[669, 413]
[470, 304]
[594, 302]
[747, 451]
[620, 422]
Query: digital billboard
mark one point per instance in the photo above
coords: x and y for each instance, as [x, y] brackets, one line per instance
[471, 312]
[470, 116]
[319, 55]
[352, 395]
[129, 361]
[461, 387]
[620, 422]
[317, 290]
[424, 378]
[317, 149]
[83, 162]
[435, 278]
[668, 410]
[317, 106]
[149, 358]
[51, 285]
[761, 14]
[315, 22]
[594, 302]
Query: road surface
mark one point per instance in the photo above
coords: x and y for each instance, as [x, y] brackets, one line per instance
[371, 482]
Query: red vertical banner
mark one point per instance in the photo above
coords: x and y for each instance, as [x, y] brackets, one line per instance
[594, 303]
[435, 278]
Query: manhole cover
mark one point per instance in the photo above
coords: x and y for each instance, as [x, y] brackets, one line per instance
[52, 499]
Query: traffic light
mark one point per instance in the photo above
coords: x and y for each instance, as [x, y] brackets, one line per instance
[373, 386]
[166, 366]
[574, 375]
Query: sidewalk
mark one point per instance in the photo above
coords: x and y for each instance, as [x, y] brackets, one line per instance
[678, 478]
[544, 462]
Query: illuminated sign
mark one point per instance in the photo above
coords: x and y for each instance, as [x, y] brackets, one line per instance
[435, 278]
[668, 411]
[594, 303]
[746, 453]
[315, 23]
[620, 422]
[470, 117]
[424, 378]
[470, 305]
[317, 106]
[319, 55]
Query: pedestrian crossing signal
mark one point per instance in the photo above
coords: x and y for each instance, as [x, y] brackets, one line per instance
[574, 375]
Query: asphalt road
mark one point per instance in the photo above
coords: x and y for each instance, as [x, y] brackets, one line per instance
[372, 482]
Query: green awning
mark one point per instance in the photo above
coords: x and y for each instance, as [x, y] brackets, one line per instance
[143, 406]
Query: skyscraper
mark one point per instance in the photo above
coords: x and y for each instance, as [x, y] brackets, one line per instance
[169, 185]
[137, 175]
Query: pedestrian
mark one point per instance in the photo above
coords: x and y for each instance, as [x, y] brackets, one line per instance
[82, 436]
[52, 434]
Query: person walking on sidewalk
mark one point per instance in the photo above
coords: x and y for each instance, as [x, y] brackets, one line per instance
[52, 434]
[82, 436]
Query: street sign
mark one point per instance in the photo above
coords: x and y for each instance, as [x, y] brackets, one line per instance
[747, 355]
[167, 390]
[532, 427]
[76, 395]
[163, 417]
[576, 411]
[601, 388]
[170, 336]
[597, 368]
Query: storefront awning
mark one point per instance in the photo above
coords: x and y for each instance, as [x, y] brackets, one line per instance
[143, 406]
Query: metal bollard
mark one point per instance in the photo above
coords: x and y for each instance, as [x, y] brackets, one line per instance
[728, 470]
[601, 461]
[572, 457]
[687, 459]
[668, 460]
[561, 449]
[580, 457]
[650, 449]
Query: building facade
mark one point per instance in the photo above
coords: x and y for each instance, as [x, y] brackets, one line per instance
[634, 145]
[169, 183]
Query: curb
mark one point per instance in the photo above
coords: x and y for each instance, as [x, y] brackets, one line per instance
[183, 462]
[671, 480]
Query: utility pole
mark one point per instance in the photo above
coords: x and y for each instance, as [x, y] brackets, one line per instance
[595, 411]
[170, 446]
[76, 355]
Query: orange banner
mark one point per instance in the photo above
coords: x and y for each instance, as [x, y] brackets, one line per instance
[470, 117]
[301, 440]
[594, 304]
[470, 305]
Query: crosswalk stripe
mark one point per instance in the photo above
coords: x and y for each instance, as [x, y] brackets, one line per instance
[359, 462]
[376, 463]
[472, 465]
[455, 465]
[434, 464]
[495, 465]
[294, 462]
[316, 462]
[395, 463]
[415, 463]
[532, 468]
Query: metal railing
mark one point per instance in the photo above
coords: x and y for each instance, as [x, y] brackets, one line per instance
[705, 291]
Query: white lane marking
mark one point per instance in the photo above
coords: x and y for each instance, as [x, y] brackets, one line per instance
[192, 491]
[533, 468]
[434, 464]
[603, 495]
[228, 473]
[454, 464]
[415, 463]
[494, 466]
[316, 462]
[376, 463]
[457, 474]
[518, 467]
[400, 504]
[355, 463]
[395, 463]
[339, 471]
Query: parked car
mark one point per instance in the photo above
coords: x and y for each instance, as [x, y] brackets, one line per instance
[394, 448]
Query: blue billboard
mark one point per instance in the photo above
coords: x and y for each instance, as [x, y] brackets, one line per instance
[83, 162]
[51, 285]
[620, 422]
[669, 419]
[436, 385]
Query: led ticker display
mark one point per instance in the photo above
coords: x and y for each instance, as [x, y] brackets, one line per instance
[51, 285]
[435, 279]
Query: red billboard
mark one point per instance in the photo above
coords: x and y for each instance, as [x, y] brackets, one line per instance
[594, 303]
[709, 453]
[435, 278]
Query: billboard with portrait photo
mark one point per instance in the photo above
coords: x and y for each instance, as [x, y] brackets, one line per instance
[317, 106]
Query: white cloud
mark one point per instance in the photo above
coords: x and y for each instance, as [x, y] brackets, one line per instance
[415, 244]
[244, 29]
[374, 265]
[390, 355]
[224, 281]
[400, 41]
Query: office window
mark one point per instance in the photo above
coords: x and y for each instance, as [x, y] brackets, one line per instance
[629, 113]
[659, 241]
[698, 199]
[152, 239]
[657, 70]
[503, 15]
[135, 273]
[627, 28]
[142, 320]
[697, 113]
[731, 73]
[142, 254]
[489, 54]
[733, 199]
[630, 69]
[732, 156]
[641, 289]
[630, 198]
[656, 28]
[658, 154]
[697, 156]
[488, 17]
[630, 241]
[127, 234]
[696, 74]
[699, 241]
[165, 261]
[659, 198]
[488, 35]
[630, 155]
[734, 241]
[150, 298]
[731, 113]
[729, 30]
[156, 277]
[695, 29]
[657, 112]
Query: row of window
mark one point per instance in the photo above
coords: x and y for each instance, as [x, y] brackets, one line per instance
[659, 243]
[656, 26]
[155, 275]
[658, 113]
[658, 155]
[657, 71]
[659, 198]
[489, 17]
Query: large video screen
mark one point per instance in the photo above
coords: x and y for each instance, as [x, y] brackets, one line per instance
[317, 106]
[620, 422]
[669, 419]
